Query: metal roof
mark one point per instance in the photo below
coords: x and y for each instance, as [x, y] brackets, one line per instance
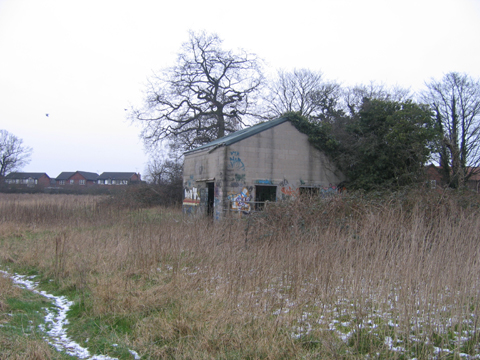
[240, 134]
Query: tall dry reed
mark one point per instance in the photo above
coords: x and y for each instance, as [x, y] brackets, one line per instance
[339, 277]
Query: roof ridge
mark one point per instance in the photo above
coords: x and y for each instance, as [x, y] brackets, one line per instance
[241, 134]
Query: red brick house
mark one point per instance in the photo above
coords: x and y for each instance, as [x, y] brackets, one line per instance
[436, 179]
[118, 178]
[27, 179]
[77, 178]
[473, 181]
[434, 176]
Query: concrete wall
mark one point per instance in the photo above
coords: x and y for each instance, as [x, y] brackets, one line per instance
[280, 156]
[199, 169]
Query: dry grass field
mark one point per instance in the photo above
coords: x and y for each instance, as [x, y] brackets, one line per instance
[347, 277]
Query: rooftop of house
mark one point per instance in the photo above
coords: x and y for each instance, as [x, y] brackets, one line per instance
[25, 175]
[116, 175]
[65, 175]
[240, 135]
[474, 171]
[68, 174]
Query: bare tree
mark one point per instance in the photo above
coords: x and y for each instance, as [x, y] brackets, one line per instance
[166, 167]
[165, 176]
[13, 154]
[353, 97]
[455, 101]
[302, 91]
[205, 96]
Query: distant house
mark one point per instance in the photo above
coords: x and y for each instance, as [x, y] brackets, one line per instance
[118, 178]
[28, 179]
[267, 162]
[437, 179]
[78, 178]
[434, 176]
[473, 181]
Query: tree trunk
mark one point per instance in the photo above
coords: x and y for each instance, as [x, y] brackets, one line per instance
[220, 124]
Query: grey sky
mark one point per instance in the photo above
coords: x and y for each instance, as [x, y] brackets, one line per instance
[84, 62]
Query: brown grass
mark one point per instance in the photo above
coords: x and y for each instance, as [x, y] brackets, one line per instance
[26, 349]
[285, 283]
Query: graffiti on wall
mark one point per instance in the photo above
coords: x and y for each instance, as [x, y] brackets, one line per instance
[240, 201]
[235, 161]
[288, 190]
[189, 182]
[238, 180]
[328, 190]
[240, 177]
[192, 197]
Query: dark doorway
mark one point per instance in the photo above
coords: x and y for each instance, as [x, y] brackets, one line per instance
[264, 193]
[210, 198]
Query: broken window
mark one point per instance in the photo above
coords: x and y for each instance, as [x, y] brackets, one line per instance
[263, 194]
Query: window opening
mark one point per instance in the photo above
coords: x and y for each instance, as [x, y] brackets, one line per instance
[309, 192]
[263, 194]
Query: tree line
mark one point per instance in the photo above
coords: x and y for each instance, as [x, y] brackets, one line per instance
[377, 135]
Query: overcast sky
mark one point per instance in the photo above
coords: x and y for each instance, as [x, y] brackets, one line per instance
[84, 62]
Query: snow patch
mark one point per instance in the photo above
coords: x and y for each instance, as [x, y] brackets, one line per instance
[56, 319]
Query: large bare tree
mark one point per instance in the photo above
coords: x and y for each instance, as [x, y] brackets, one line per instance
[205, 96]
[302, 91]
[455, 101]
[13, 154]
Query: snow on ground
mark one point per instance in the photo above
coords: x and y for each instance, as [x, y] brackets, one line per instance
[337, 318]
[56, 320]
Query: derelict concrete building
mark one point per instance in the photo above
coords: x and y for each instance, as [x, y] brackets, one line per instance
[266, 162]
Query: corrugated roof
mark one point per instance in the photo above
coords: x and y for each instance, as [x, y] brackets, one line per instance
[240, 134]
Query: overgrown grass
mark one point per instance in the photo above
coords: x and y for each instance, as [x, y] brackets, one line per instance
[354, 276]
[21, 315]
